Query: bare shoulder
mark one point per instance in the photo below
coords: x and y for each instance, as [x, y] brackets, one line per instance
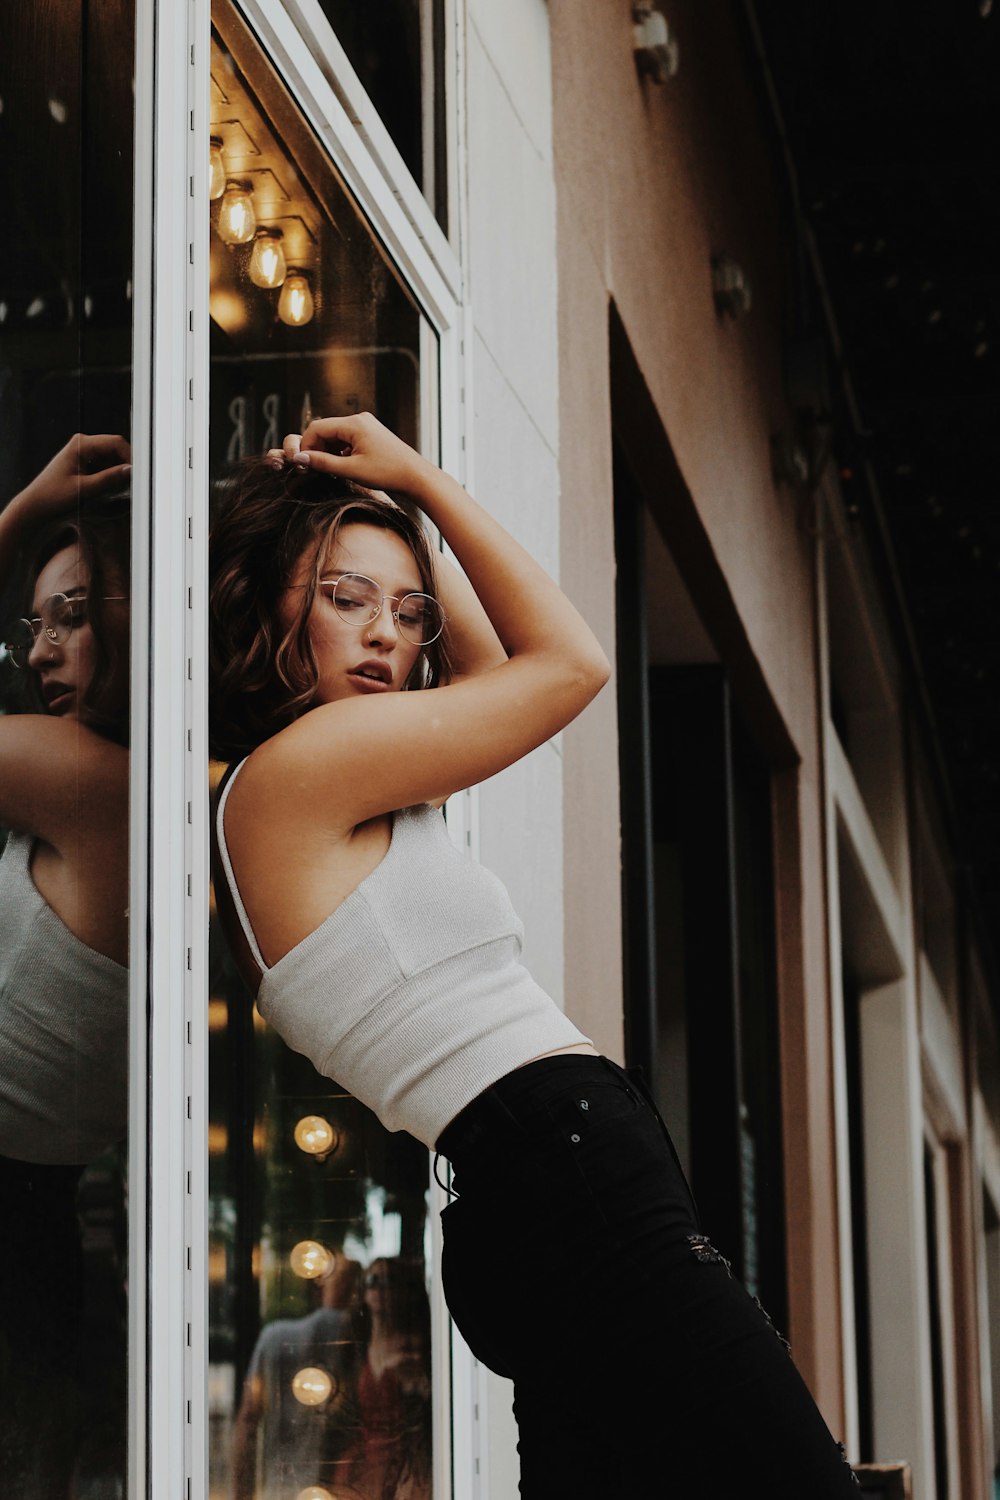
[61, 781]
[276, 786]
[294, 856]
[345, 762]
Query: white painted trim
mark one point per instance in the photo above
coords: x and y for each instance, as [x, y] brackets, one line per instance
[139, 788]
[470, 1380]
[194, 748]
[454, 118]
[174, 1388]
[441, 1378]
[471, 1407]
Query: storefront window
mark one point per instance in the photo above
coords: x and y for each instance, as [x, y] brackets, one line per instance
[319, 1244]
[65, 394]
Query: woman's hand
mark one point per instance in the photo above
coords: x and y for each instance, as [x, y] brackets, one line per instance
[357, 448]
[85, 467]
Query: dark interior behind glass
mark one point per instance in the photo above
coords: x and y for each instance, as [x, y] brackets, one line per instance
[66, 133]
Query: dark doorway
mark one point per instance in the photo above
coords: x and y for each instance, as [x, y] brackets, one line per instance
[700, 982]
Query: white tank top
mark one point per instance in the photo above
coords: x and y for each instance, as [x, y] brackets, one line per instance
[63, 1029]
[411, 994]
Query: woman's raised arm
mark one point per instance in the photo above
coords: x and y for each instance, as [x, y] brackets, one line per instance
[87, 466]
[366, 756]
[58, 779]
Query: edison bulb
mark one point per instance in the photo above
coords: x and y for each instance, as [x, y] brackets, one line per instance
[237, 220]
[315, 1135]
[311, 1259]
[312, 1386]
[216, 169]
[315, 1492]
[295, 305]
[267, 259]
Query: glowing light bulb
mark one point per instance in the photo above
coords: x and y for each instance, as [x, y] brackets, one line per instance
[311, 1259]
[216, 169]
[237, 220]
[267, 259]
[315, 1492]
[295, 305]
[315, 1135]
[312, 1386]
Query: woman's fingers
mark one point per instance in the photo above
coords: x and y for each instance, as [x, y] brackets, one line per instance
[103, 480]
[356, 447]
[103, 462]
[360, 448]
[341, 435]
[101, 450]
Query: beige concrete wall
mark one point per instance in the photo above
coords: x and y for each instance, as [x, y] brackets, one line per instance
[650, 182]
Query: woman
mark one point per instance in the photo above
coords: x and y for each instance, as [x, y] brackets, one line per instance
[63, 950]
[392, 1459]
[573, 1261]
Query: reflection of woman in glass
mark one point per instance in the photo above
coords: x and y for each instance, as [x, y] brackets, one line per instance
[574, 1262]
[393, 1399]
[63, 916]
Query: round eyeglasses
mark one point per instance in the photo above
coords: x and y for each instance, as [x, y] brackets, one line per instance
[358, 600]
[60, 616]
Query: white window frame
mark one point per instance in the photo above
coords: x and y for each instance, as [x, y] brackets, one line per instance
[168, 1335]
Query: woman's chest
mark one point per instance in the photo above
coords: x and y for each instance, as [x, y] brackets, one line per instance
[292, 885]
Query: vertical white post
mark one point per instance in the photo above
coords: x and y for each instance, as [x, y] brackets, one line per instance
[142, 383]
[169, 818]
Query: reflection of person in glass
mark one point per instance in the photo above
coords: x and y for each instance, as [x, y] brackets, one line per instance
[392, 960]
[281, 1444]
[63, 917]
[392, 1458]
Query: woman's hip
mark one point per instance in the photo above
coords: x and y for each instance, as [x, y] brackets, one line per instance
[566, 1167]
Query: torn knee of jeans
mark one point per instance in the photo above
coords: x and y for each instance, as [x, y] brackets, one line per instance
[702, 1249]
[770, 1323]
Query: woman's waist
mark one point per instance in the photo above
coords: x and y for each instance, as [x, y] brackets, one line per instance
[510, 1111]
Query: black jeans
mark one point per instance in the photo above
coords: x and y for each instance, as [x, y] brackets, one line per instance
[574, 1265]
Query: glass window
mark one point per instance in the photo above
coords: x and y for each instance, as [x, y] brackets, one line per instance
[396, 47]
[65, 392]
[320, 1371]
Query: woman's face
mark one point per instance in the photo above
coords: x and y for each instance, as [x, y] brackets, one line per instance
[66, 668]
[355, 660]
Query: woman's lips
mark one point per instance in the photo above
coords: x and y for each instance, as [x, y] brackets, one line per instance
[58, 698]
[369, 684]
[372, 676]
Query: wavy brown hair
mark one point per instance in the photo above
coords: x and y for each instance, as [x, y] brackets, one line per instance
[102, 530]
[263, 672]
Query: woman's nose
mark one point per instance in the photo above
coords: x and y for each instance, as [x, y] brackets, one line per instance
[383, 630]
[44, 651]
